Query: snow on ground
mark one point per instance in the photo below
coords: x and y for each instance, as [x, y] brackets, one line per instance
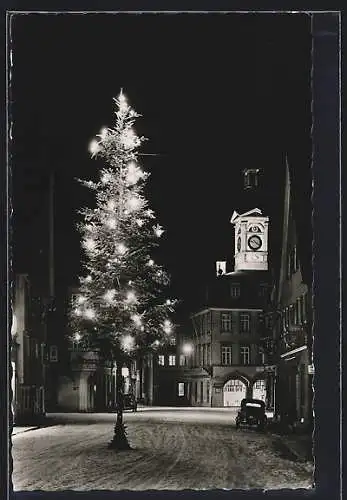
[170, 452]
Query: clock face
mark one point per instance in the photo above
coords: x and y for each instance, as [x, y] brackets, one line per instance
[254, 242]
[238, 244]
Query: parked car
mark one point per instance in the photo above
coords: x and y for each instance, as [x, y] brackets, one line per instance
[129, 402]
[252, 414]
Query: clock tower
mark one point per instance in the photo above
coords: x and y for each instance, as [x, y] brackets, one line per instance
[251, 240]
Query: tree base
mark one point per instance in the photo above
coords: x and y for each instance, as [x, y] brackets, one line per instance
[119, 440]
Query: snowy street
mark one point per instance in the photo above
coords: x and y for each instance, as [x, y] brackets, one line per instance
[173, 448]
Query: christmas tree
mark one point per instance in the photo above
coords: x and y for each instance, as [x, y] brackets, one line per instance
[121, 308]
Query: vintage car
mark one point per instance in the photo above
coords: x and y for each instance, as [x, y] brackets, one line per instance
[252, 414]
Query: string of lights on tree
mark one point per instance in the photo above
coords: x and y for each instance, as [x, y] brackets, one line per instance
[121, 296]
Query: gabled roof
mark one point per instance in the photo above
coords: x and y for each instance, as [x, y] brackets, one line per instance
[254, 211]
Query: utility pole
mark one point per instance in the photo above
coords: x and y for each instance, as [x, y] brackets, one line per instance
[49, 302]
[51, 236]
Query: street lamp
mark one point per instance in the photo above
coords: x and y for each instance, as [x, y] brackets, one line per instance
[187, 349]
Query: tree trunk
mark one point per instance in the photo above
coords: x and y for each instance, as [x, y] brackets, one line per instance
[119, 440]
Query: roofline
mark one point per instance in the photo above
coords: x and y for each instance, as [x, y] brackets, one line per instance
[294, 351]
[225, 309]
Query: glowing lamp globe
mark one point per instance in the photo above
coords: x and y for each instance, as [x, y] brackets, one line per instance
[187, 349]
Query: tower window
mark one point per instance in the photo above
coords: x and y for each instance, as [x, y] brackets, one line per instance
[250, 178]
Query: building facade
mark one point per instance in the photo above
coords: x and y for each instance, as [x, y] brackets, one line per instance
[226, 362]
[28, 353]
[290, 326]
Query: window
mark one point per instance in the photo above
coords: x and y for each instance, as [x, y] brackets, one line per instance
[182, 360]
[201, 392]
[289, 269]
[298, 306]
[295, 259]
[227, 355]
[208, 354]
[172, 360]
[245, 355]
[250, 178]
[53, 353]
[75, 345]
[304, 308]
[296, 313]
[207, 391]
[204, 355]
[209, 322]
[32, 347]
[161, 360]
[226, 322]
[203, 324]
[292, 314]
[172, 341]
[244, 322]
[201, 355]
[181, 388]
[235, 291]
[263, 358]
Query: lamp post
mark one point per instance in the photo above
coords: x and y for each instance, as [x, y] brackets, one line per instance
[187, 350]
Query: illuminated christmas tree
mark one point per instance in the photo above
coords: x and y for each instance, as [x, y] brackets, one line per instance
[121, 308]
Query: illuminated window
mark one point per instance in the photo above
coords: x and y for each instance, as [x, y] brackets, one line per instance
[53, 353]
[172, 341]
[172, 360]
[161, 360]
[181, 388]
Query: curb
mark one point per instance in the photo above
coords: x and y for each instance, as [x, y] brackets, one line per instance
[14, 433]
[301, 456]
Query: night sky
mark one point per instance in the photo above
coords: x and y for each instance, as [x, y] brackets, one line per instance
[218, 93]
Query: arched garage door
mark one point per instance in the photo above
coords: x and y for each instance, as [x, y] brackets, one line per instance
[259, 390]
[233, 392]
